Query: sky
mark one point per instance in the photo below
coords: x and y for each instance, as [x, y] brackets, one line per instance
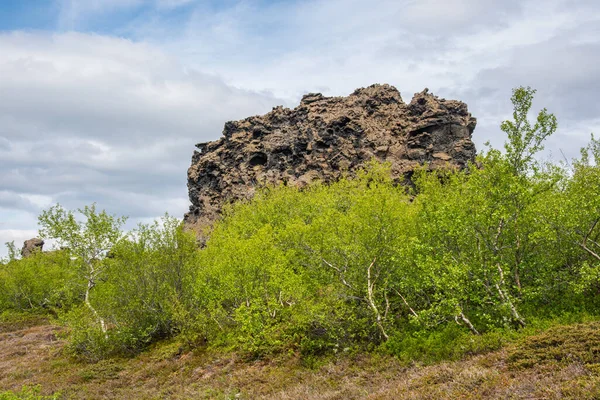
[103, 100]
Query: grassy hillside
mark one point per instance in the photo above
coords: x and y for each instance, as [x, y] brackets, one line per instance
[558, 363]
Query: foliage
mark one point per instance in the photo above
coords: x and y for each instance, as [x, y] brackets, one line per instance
[315, 269]
[525, 139]
[13, 253]
[27, 393]
[88, 241]
[145, 294]
[44, 281]
[449, 343]
[581, 228]
[561, 344]
[449, 268]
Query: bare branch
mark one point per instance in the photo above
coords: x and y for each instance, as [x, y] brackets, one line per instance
[591, 252]
[407, 305]
[87, 302]
[586, 238]
[587, 235]
[506, 299]
[464, 319]
[340, 273]
[330, 265]
[370, 286]
[497, 238]
[387, 305]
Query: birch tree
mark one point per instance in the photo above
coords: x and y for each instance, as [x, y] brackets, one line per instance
[88, 240]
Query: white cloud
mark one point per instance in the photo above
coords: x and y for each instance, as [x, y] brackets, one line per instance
[74, 12]
[87, 118]
[18, 236]
[23, 201]
[471, 50]
[337, 45]
[170, 4]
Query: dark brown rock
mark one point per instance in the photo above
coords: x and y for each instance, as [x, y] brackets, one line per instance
[322, 138]
[32, 245]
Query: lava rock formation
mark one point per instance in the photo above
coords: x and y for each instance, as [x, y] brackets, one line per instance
[324, 137]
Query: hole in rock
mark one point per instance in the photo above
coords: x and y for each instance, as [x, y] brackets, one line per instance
[258, 159]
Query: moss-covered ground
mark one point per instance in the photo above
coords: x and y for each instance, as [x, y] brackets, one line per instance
[560, 362]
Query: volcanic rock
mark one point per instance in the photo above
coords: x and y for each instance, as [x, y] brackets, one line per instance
[324, 137]
[31, 246]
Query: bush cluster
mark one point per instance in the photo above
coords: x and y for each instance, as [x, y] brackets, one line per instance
[362, 263]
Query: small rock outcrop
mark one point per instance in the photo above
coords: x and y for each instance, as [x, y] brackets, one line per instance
[322, 138]
[31, 246]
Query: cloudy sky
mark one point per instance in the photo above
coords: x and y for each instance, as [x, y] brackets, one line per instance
[103, 100]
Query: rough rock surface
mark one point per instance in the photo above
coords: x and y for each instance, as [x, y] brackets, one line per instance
[323, 137]
[32, 245]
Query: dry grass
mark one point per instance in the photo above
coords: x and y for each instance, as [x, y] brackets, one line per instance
[540, 367]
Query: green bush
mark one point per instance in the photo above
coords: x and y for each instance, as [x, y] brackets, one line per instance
[310, 270]
[559, 344]
[145, 293]
[449, 343]
[44, 281]
[452, 266]
[27, 393]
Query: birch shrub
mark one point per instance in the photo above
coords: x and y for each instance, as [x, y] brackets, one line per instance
[42, 282]
[144, 293]
[315, 270]
[448, 267]
[360, 262]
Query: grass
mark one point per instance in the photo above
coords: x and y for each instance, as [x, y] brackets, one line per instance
[578, 343]
[11, 321]
[27, 393]
[556, 363]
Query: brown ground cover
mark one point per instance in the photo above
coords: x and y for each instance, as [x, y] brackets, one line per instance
[561, 363]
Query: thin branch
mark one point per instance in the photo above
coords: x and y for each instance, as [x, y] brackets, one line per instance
[467, 322]
[587, 235]
[217, 321]
[340, 273]
[594, 242]
[586, 238]
[506, 299]
[387, 305]
[497, 238]
[407, 305]
[87, 302]
[583, 246]
[330, 265]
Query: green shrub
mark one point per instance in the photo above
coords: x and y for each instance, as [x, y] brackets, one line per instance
[145, 293]
[27, 393]
[449, 343]
[559, 344]
[454, 267]
[42, 282]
